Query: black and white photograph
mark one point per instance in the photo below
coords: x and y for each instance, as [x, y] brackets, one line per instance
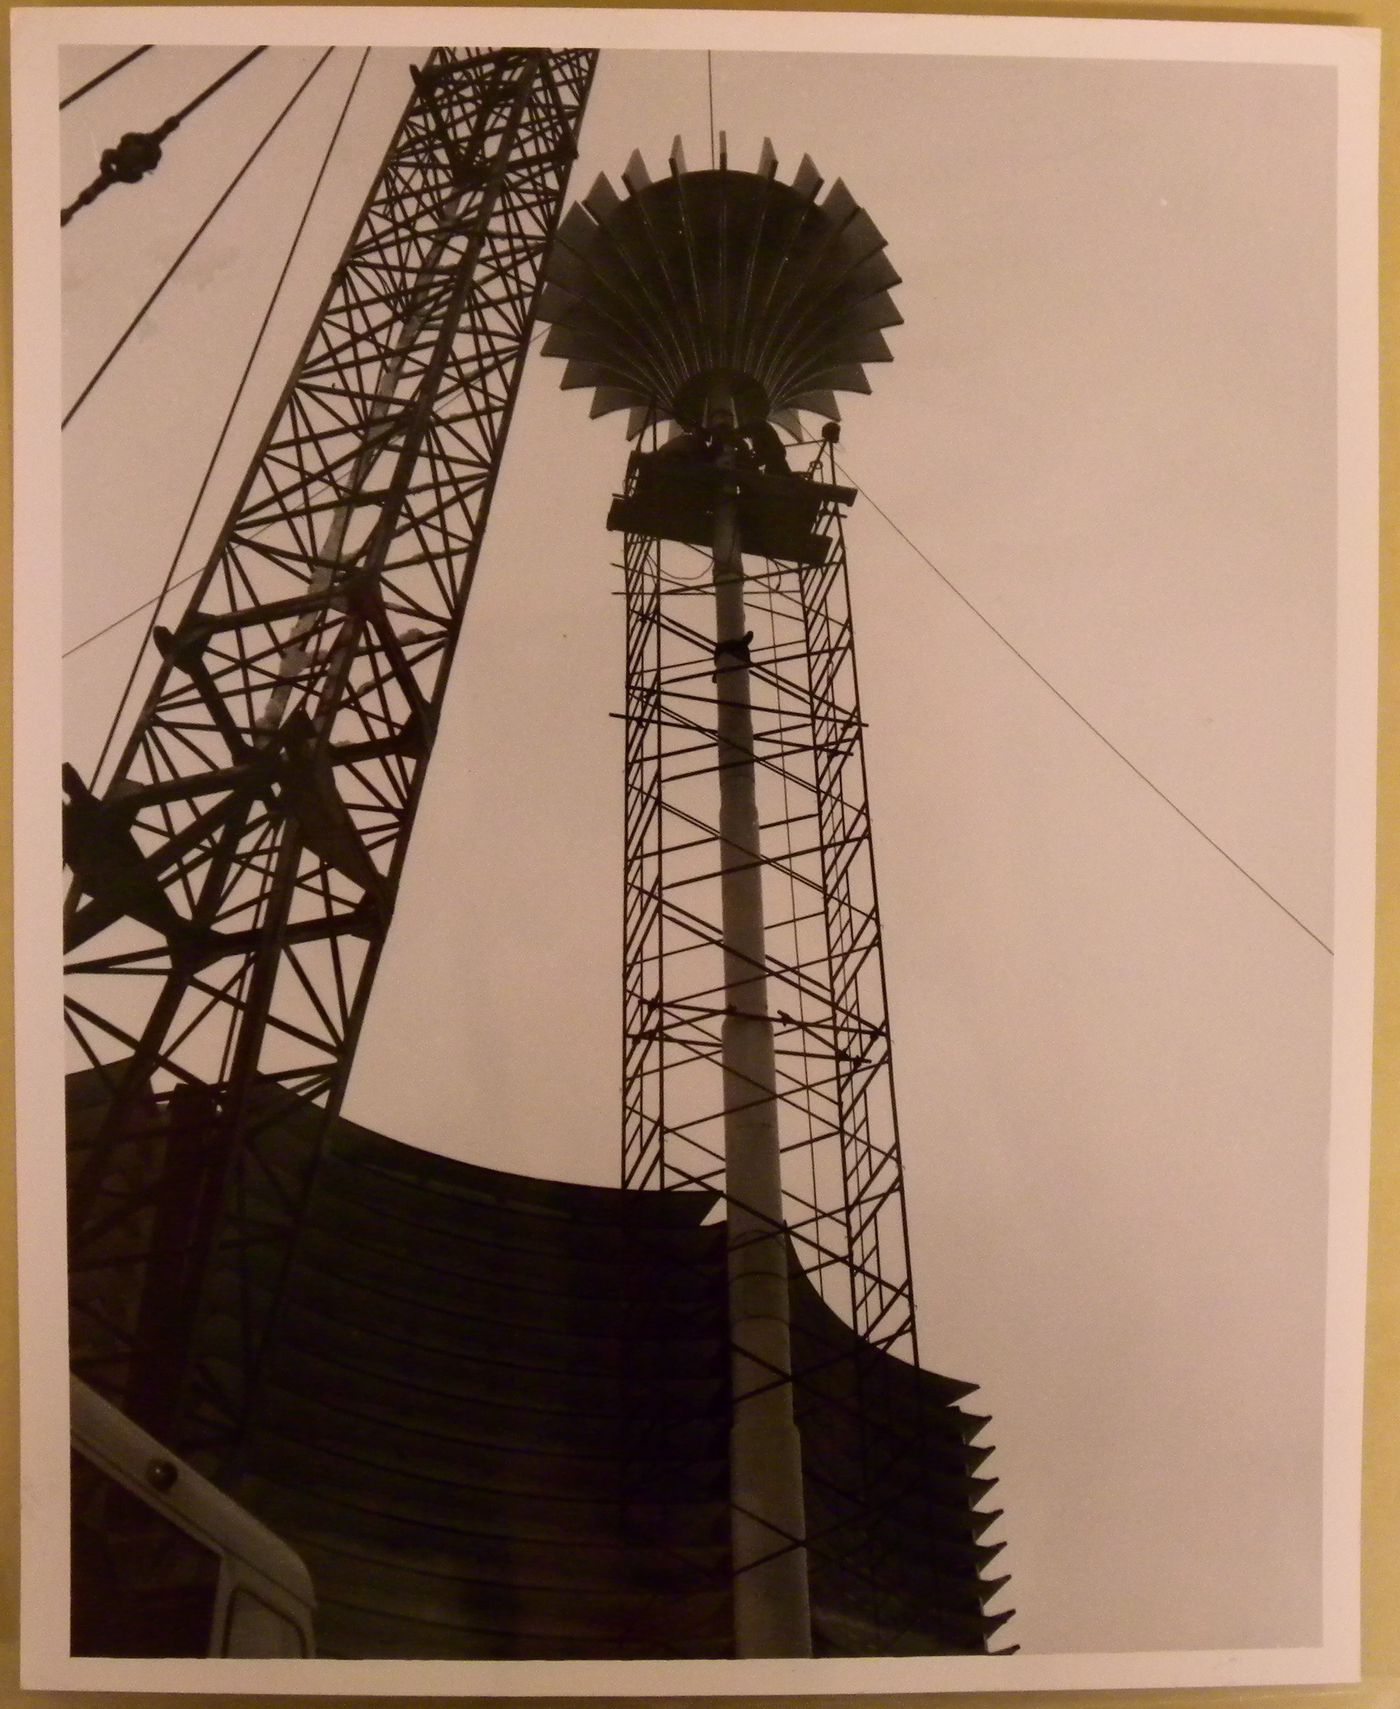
[696, 729]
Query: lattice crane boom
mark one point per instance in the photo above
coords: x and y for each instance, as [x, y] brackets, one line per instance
[233, 884]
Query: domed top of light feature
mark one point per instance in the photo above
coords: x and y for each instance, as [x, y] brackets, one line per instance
[718, 281]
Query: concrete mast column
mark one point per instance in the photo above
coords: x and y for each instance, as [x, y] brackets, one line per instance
[772, 1616]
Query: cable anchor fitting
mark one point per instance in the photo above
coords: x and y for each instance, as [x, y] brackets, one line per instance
[135, 155]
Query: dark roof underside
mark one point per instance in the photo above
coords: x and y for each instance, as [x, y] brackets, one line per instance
[718, 273]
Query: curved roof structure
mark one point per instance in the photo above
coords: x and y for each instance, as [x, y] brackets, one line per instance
[718, 277]
[494, 1422]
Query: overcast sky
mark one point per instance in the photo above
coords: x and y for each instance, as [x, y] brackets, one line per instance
[1110, 423]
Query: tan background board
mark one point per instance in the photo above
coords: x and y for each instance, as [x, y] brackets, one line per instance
[1381, 1564]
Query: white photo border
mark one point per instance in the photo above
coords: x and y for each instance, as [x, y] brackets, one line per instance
[38, 34]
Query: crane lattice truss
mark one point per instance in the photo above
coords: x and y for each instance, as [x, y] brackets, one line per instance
[233, 884]
[842, 1176]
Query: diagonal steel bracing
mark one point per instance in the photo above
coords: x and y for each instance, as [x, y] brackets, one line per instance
[882, 1445]
[233, 881]
[838, 1130]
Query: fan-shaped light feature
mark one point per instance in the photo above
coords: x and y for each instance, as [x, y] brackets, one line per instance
[718, 278]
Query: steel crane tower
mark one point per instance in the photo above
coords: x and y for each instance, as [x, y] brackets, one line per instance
[234, 880]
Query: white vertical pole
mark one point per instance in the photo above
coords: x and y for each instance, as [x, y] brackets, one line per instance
[771, 1610]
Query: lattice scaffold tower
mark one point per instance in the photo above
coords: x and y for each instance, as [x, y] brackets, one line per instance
[234, 880]
[756, 1051]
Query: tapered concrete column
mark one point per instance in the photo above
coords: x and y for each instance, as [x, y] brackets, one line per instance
[771, 1612]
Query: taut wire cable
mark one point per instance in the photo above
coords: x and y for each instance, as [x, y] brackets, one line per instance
[169, 583]
[138, 152]
[156, 598]
[102, 77]
[1083, 718]
[203, 227]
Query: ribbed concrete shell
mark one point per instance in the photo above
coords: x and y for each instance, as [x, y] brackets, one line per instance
[780, 292]
[493, 1420]
[495, 1423]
